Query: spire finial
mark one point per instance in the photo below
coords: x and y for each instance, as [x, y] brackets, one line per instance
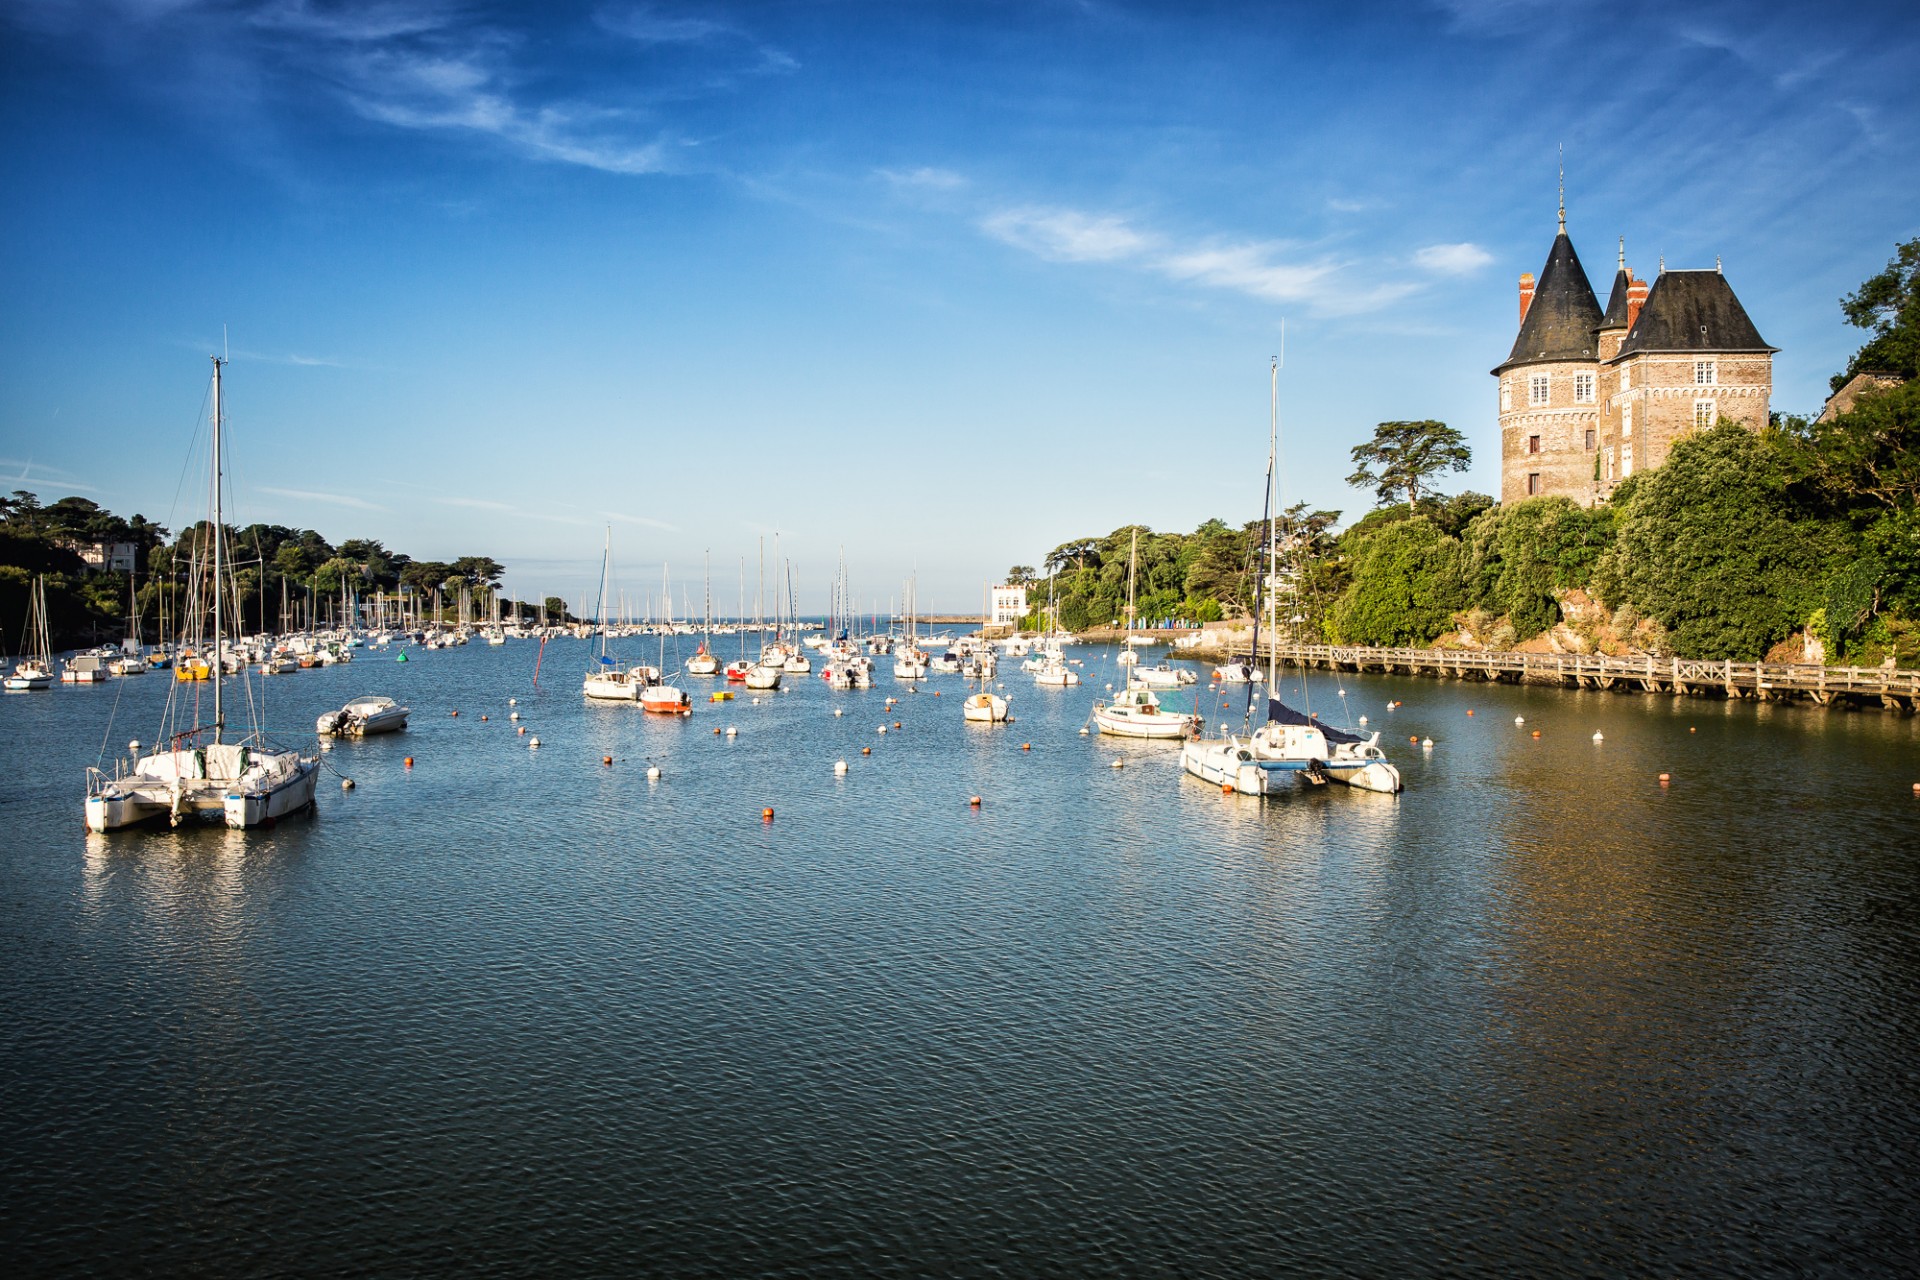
[1563, 188]
[1663, 264]
[1716, 264]
[1623, 253]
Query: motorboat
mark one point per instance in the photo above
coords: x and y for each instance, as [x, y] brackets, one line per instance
[84, 668]
[664, 699]
[909, 663]
[1239, 672]
[363, 717]
[1230, 763]
[1163, 676]
[1054, 671]
[1137, 713]
[797, 664]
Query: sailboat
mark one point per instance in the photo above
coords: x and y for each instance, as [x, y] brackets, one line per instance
[1290, 745]
[606, 680]
[198, 774]
[35, 668]
[703, 663]
[660, 697]
[1135, 712]
[130, 662]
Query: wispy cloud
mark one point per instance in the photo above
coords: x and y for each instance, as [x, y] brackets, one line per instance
[47, 477]
[925, 178]
[1067, 235]
[478, 504]
[1452, 259]
[642, 520]
[331, 499]
[648, 25]
[1269, 270]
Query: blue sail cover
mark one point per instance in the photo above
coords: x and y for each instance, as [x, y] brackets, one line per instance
[1280, 713]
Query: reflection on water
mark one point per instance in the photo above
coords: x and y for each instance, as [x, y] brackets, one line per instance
[1540, 1014]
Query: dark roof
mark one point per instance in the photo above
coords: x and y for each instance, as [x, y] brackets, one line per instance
[1616, 317]
[1692, 311]
[1563, 315]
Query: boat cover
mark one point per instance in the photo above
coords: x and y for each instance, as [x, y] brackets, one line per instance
[1281, 713]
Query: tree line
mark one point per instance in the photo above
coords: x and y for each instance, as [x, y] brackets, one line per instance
[87, 603]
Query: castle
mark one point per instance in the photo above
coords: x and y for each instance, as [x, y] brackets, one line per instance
[1588, 397]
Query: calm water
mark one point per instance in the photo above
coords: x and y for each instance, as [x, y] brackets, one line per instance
[514, 1012]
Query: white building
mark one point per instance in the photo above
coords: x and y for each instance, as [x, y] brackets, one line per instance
[1008, 606]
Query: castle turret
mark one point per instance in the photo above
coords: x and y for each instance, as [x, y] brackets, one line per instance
[1547, 384]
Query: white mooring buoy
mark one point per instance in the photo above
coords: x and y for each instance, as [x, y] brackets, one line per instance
[840, 766]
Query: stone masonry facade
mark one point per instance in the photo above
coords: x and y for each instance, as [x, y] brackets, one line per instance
[1588, 398]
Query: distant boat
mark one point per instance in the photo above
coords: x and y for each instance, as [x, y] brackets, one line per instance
[35, 668]
[1163, 676]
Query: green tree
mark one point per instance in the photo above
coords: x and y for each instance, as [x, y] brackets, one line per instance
[1888, 306]
[1710, 546]
[1402, 456]
[1407, 585]
[1519, 557]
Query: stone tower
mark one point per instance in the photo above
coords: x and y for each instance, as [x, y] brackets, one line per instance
[1549, 383]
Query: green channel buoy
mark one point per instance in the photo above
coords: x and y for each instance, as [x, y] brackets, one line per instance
[401, 658]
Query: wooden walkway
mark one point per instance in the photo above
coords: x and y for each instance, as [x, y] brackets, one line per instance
[1761, 681]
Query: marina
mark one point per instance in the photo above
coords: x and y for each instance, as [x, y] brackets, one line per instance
[763, 1010]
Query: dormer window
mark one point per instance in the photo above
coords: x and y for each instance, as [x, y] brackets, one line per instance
[1706, 373]
[1537, 389]
[1583, 388]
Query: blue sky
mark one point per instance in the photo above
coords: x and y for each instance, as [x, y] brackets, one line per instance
[941, 284]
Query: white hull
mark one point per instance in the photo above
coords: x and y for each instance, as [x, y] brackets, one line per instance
[274, 785]
[1061, 676]
[1227, 763]
[611, 689]
[1136, 713]
[985, 708]
[764, 677]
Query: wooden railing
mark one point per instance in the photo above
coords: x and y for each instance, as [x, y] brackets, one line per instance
[1760, 680]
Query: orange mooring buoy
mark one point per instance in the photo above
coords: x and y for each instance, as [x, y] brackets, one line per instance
[766, 815]
[974, 803]
[866, 751]
[1665, 778]
[454, 713]
[483, 717]
[409, 762]
[1226, 788]
[606, 759]
[1536, 733]
[1026, 746]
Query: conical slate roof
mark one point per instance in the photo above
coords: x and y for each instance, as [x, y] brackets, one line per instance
[1563, 315]
[1616, 317]
[1692, 311]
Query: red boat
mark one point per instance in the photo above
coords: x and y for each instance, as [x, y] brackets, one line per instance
[737, 671]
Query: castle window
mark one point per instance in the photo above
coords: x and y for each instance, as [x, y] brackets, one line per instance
[1626, 421]
[1609, 462]
[1706, 373]
[1533, 444]
[1583, 388]
[1537, 387]
[1533, 484]
[1589, 439]
[1705, 413]
[1626, 461]
[1506, 396]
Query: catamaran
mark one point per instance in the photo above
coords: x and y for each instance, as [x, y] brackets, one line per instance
[198, 774]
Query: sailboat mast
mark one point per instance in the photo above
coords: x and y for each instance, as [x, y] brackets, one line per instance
[1273, 550]
[219, 619]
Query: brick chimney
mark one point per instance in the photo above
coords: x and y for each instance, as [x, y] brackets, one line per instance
[1526, 294]
[1636, 299]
